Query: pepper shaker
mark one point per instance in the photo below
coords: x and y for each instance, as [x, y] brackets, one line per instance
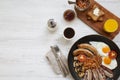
[52, 25]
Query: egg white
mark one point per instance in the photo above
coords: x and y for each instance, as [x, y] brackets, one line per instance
[112, 65]
[99, 46]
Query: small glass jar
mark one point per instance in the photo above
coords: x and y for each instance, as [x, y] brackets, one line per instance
[82, 5]
[69, 15]
[52, 25]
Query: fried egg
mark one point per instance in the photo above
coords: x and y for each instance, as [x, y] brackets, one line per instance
[109, 63]
[101, 47]
[103, 50]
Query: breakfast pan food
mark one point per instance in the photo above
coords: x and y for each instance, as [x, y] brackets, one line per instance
[94, 57]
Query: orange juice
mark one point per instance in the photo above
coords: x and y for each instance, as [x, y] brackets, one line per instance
[110, 25]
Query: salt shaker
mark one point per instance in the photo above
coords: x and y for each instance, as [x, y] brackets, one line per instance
[52, 25]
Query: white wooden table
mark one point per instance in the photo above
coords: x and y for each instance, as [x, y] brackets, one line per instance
[24, 38]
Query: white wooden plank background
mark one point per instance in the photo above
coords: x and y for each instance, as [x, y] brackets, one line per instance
[24, 38]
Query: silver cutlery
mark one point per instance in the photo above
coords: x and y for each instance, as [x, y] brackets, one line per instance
[61, 60]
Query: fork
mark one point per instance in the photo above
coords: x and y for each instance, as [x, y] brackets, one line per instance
[60, 64]
[62, 59]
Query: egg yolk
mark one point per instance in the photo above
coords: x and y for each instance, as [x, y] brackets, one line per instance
[107, 60]
[106, 49]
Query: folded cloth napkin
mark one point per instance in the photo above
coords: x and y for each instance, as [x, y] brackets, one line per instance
[51, 59]
[58, 61]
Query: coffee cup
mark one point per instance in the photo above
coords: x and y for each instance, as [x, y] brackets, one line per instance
[68, 33]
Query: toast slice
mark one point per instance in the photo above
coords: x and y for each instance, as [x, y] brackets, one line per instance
[95, 13]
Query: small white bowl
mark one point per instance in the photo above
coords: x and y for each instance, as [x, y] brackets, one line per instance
[68, 33]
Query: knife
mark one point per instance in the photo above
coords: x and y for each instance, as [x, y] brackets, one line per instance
[58, 61]
[62, 59]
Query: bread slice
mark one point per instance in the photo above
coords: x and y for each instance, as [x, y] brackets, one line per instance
[99, 19]
[93, 16]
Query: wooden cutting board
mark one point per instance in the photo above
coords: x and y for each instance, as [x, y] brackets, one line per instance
[98, 26]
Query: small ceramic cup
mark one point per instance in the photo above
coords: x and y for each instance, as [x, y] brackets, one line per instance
[68, 33]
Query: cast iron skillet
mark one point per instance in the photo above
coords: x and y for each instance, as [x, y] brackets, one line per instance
[86, 39]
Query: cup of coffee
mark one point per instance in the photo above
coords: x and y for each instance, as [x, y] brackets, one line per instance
[68, 33]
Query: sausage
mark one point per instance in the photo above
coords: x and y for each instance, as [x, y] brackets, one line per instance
[101, 74]
[82, 51]
[89, 47]
[95, 74]
[107, 71]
